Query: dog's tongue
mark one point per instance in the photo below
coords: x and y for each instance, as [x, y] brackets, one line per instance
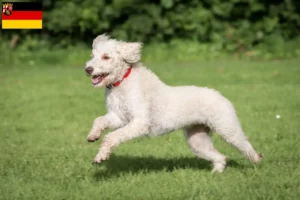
[96, 79]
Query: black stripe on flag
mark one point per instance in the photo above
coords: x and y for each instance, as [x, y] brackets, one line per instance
[25, 6]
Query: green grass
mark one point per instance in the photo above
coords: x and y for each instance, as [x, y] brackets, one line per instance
[47, 111]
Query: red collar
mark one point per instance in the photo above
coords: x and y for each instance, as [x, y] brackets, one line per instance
[119, 82]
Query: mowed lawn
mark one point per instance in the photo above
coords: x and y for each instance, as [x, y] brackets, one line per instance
[47, 111]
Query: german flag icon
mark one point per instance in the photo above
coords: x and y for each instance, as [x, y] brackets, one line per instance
[22, 15]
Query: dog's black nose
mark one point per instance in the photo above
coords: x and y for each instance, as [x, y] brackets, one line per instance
[89, 70]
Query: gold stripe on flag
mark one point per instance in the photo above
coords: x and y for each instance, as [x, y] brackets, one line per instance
[22, 24]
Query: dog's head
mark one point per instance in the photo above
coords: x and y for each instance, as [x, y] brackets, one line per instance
[111, 59]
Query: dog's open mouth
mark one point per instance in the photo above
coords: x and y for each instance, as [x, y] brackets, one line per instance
[96, 79]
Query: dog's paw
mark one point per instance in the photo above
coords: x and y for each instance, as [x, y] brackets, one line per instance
[258, 158]
[92, 137]
[100, 158]
[218, 167]
[95, 162]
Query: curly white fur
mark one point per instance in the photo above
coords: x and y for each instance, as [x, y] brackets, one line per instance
[143, 105]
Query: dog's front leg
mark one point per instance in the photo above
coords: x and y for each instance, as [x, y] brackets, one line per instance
[132, 130]
[110, 120]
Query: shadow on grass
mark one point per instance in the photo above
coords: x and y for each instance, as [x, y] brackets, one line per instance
[118, 165]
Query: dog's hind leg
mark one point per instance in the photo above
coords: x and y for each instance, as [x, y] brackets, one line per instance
[198, 139]
[231, 131]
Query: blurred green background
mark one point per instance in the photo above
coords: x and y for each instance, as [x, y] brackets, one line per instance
[193, 29]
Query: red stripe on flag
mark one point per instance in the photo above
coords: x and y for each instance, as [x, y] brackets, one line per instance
[23, 15]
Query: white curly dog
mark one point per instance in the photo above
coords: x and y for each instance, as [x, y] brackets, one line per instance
[138, 103]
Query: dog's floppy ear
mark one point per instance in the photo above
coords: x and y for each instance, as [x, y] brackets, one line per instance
[130, 51]
[100, 38]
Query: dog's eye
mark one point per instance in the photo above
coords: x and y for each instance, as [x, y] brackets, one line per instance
[105, 57]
